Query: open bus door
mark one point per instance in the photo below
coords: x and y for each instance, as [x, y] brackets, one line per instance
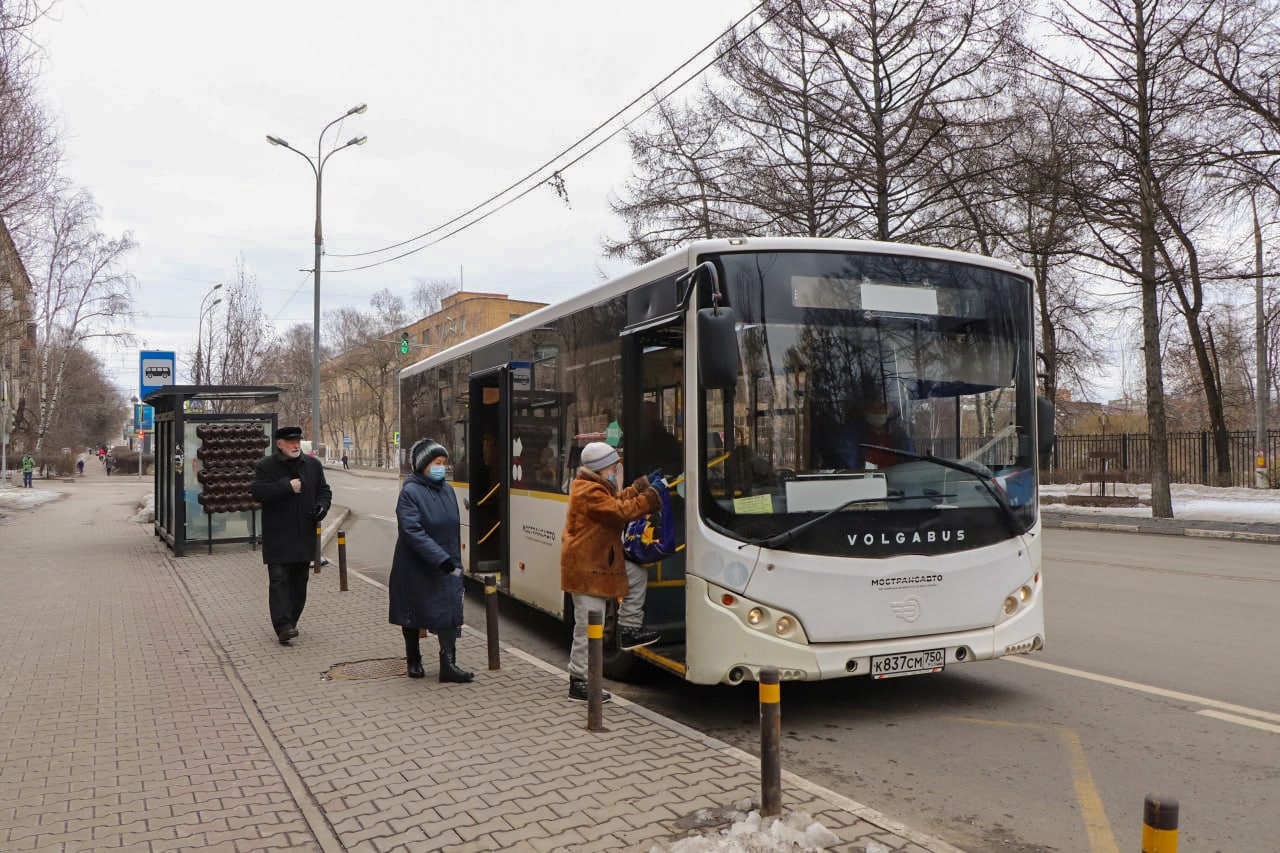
[488, 442]
[653, 427]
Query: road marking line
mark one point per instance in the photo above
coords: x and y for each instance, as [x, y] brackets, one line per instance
[1101, 839]
[368, 580]
[1147, 688]
[381, 518]
[1243, 721]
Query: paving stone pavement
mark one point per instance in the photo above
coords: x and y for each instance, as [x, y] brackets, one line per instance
[145, 704]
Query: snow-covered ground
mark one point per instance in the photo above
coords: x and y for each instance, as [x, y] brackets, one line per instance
[1202, 503]
[19, 498]
[750, 833]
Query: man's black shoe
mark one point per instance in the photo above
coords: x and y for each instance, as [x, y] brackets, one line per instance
[286, 634]
[578, 691]
[635, 638]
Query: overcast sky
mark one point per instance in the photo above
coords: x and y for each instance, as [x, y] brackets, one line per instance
[165, 108]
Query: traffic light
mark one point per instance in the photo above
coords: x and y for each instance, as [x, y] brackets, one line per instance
[404, 343]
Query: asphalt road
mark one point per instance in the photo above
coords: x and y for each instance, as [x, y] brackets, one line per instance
[1159, 675]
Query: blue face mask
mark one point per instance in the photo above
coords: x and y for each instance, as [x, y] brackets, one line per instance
[435, 475]
[613, 477]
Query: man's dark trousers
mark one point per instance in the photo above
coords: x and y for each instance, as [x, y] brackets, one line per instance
[288, 594]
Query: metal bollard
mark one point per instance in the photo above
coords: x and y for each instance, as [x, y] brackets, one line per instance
[595, 671]
[770, 743]
[319, 541]
[491, 620]
[342, 561]
[1159, 825]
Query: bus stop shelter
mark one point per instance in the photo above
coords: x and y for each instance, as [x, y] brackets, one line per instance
[184, 413]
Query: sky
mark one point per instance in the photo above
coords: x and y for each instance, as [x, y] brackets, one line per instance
[165, 108]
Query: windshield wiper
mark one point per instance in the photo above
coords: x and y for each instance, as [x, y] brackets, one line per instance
[777, 540]
[982, 476]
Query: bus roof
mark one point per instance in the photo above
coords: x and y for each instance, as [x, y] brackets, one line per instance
[680, 260]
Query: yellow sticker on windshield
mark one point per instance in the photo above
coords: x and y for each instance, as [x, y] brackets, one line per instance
[754, 505]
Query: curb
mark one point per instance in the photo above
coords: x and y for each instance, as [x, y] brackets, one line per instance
[1198, 532]
[332, 524]
[876, 818]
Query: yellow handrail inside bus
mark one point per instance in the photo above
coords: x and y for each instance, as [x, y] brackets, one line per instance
[486, 497]
[482, 539]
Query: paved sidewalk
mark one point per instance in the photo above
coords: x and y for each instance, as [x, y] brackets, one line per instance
[145, 703]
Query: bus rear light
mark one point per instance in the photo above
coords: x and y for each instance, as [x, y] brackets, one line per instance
[728, 600]
[755, 616]
[784, 625]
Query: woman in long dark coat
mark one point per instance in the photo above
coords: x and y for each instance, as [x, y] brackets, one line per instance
[426, 571]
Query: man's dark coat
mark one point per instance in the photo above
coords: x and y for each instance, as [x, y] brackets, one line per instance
[288, 525]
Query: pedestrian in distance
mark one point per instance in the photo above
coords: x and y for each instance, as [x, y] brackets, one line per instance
[344, 462]
[80, 466]
[295, 496]
[110, 463]
[591, 557]
[28, 470]
[426, 569]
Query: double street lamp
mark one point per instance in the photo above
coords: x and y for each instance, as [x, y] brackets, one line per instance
[317, 167]
[200, 332]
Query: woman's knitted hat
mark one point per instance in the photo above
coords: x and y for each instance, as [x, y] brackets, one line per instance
[597, 456]
[423, 451]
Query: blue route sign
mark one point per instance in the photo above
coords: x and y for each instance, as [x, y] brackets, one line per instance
[144, 418]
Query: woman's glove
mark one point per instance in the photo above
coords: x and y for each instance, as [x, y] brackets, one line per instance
[447, 566]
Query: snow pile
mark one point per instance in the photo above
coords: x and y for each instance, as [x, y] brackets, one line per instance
[1204, 503]
[750, 833]
[146, 510]
[26, 498]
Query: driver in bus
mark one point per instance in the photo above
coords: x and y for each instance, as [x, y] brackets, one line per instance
[869, 422]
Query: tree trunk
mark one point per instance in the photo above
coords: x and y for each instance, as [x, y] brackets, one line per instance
[1161, 499]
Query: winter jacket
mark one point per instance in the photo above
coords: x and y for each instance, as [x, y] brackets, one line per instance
[591, 561]
[429, 541]
[288, 522]
[28, 464]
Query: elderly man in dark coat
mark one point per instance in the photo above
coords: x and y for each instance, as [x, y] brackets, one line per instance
[294, 497]
[426, 570]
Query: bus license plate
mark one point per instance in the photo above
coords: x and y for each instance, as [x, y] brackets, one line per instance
[911, 663]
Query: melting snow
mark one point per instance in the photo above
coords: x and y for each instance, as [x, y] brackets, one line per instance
[1204, 503]
[750, 833]
[19, 498]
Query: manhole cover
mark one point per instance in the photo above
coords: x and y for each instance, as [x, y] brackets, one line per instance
[358, 669]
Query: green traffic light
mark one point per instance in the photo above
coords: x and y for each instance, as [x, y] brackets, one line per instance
[404, 345]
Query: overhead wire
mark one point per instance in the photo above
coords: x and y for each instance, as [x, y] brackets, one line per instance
[564, 151]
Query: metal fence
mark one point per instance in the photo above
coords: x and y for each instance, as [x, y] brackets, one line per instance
[1191, 457]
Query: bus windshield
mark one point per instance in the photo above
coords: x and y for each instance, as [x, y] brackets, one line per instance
[857, 373]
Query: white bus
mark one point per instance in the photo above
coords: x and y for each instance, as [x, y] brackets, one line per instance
[858, 432]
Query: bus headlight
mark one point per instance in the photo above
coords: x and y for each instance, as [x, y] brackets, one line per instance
[1010, 605]
[1019, 598]
[755, 616]
[783, 626]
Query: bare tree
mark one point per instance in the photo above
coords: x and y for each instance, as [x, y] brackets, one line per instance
[238, 344]
[81, 291]
[287, 363]
[29, 150]
[429, 293]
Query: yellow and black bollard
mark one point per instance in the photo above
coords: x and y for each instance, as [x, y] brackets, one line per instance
[342, 561]
[491, 620]
[319, 549]
[1159, 825]
[770, 743]
[595, 671]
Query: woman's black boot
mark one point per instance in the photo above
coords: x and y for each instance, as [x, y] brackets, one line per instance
[412, 654]
[449, 671]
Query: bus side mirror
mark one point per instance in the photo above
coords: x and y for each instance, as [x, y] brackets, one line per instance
[717, 348]
[1044, 423]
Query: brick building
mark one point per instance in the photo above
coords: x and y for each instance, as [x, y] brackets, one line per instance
[17, 345]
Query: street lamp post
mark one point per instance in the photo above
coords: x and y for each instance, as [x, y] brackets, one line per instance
[200, 331]
[317, 167]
